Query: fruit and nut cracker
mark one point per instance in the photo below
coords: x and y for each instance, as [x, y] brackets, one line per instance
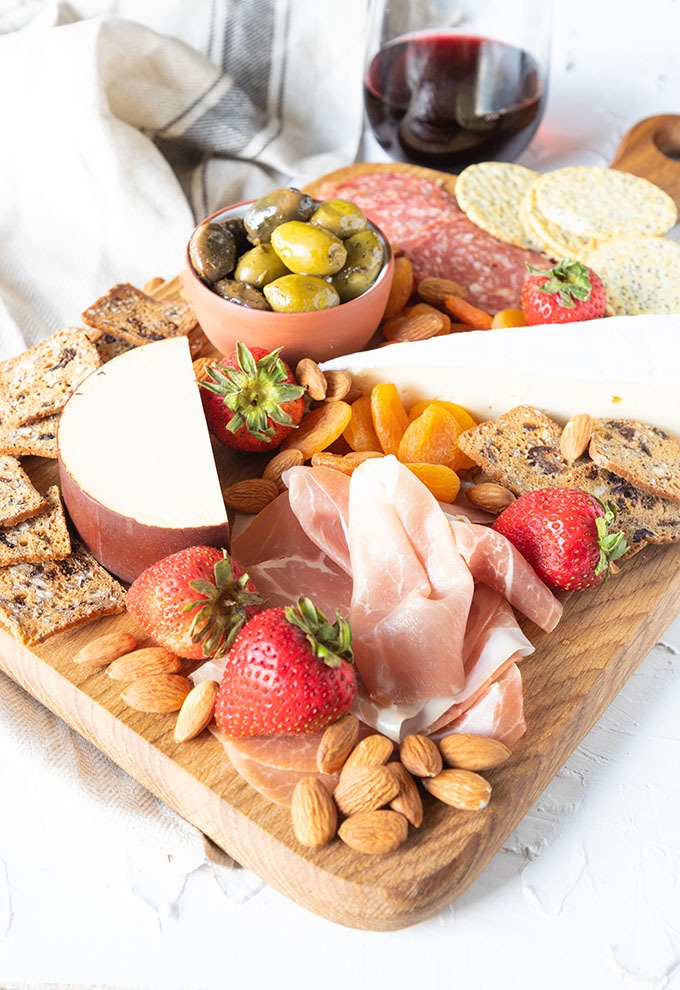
[645, 455]
[521, 451]
[38, 439]
[42, 537]
[38, 382]
[491, 193]
[640, 274]
[40, 600]
[19, 499]
[137, 318]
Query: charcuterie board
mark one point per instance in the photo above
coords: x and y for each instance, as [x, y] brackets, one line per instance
[570, 680]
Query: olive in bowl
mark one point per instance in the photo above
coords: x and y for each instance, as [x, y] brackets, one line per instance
[297, 279]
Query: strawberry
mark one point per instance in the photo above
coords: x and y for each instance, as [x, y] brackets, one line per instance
[565, 534]
[193, 602]
[289, 670]
[564, 294]
[252, 401]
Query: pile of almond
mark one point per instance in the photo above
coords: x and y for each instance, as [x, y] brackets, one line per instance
[377, 795]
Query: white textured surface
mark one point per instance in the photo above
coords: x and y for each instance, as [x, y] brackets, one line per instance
[586, 893]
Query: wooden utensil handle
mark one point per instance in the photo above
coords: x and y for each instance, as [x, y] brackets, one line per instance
[651, 149]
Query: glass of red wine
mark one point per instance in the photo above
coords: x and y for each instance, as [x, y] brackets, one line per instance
[452, 82]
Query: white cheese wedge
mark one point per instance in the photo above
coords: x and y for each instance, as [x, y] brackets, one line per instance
[623, 366]
[136, 463]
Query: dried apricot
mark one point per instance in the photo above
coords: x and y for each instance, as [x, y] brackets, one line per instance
[345, 463]
[319, 428]
[389, 417]
[465, 419]
[432, 438]
[508, 318]
[359, 433]
[401, 288]
[439, 479]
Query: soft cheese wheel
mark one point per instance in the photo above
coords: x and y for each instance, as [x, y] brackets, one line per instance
[136, 463]
[626, 367]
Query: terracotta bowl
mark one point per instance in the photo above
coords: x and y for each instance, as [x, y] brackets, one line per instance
[320, 335]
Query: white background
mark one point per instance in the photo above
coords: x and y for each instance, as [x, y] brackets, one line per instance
[585, 893]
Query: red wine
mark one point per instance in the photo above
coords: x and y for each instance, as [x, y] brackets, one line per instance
[447, 100]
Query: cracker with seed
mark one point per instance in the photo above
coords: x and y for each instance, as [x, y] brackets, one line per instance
[645, 455]
[42, 537]
[19, 498]
[542, 235]
[131, 315]
[640, 274]
[40, 600]
[601, 204]
[37, 439]
[491, 193]
[38, 382]
[109, 347]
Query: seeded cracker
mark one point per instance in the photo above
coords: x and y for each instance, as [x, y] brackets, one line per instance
[109, 347]
[38, 382]
[19, 499]
[130, 315]
[40, 600]
[42, 537]
[38, 439]
[600, 203]
[640, 274]
[646, 456]
[548, 237]
[491, 193]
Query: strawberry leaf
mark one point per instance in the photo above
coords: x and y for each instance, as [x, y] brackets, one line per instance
[331, 642]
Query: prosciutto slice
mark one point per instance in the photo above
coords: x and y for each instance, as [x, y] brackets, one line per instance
[498, 712]
[411, 589]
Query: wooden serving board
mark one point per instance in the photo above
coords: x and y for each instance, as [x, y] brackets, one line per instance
[569, 682]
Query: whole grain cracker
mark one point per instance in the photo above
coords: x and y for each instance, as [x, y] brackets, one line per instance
[19, 498]
[42, 537]
[37, 439]
[491, 193]
[131, 315]
[645, 455]
[38, 601]
[640, 274]
[601, 203]
[38, 382]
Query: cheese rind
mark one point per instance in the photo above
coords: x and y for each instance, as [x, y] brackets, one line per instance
[135, 459]
[624, 366]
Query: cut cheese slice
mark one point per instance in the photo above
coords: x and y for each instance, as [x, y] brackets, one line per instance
[621, 366]
[136, 463]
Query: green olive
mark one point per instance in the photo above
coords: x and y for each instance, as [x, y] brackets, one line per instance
[259, 266]
[339, 216]
[237, 292]
[212, 251]
[308, 250]
[275, 208]
[365, 258]
[300, 294]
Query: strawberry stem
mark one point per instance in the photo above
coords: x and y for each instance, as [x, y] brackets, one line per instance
[612, 544]
[222, 608]
[568, 279]
[331, 642]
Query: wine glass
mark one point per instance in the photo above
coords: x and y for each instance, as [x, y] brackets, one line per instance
[452, 82]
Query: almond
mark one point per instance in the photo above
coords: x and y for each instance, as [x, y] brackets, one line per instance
[365, 789]
[372, 751]
[435, 290]
[153, 285]
[469, 752]
[375, 832]
[157, 693]
[106, 649]
[338, 385]
[314, 813]
[408, 801]
[462, 789]
[141, 663]
[281, 462]
[420, 756]
[337, 742]
[250, 495]
[489, 497]
[575, 436]
[411, 328]
[311, 377]
[196, 712]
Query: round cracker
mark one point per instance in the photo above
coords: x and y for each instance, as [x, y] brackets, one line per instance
[490, 195]
[640, 274]
[549, 237]
[601, 203]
